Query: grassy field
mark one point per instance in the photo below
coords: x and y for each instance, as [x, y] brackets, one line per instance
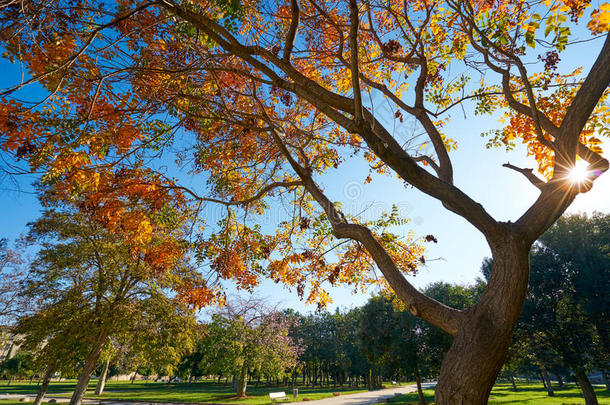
[528, 394]
[208, 392]
[199, 392]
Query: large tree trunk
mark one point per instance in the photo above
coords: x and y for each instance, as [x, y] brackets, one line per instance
[101, 382]
[547, 382]
[242, 381]
[585, 385]
[46, 379]
[85, 374]
[471, 366]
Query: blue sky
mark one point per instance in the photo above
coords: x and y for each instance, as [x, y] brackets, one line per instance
[460, 249]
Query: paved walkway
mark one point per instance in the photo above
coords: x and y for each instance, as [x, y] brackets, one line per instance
[360, 398]
[368, 397]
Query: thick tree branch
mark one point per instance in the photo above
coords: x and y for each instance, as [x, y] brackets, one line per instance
[559, 192]
[292, 31]
[354, 65]
[440, 315]
[587, 97]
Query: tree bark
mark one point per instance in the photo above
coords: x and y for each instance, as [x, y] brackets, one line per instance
[585, 385]
[547, 382]
[242, 381]
[101, 381]
[85, 374]
[46, 379]
[486, 331]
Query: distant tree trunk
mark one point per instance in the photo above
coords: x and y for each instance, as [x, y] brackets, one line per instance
[85, 374]
[420, 391]
[133, 377]
[101, 381]
[542, 379]
[46, 379]
[512, 381]
[559, 380]
[242, 381]
[585, 385]
[606, 379]
[547, 380]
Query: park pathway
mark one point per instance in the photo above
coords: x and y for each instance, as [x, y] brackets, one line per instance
[368, 397]
[360, 398]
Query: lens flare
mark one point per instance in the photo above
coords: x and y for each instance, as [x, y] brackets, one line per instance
[580, 172]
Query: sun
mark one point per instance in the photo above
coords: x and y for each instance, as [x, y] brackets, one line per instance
[580, 172]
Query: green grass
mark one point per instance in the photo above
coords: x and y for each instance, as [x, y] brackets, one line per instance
[529, 394]
[209, 392]
[198, 392]
[10, 402]
[25, 387]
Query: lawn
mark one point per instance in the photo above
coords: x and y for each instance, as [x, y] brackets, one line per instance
[528, 394]
[198, 392]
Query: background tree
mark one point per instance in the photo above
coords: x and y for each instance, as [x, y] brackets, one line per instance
[247, 337]
[376, 337]
[11, 276]
[264, 121]
[90, 286]
[555, 319]
[582, 245]
[17, 366]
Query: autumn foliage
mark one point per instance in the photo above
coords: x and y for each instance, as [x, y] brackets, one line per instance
[124, 91]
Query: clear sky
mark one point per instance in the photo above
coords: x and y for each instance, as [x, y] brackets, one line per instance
[460, 249]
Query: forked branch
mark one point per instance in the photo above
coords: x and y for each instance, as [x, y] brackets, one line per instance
[528, 173]
[420, 305]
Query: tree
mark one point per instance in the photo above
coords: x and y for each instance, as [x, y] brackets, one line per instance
[582, 246]
[246, 338]
[555, 323]
[376, 337]
[11, 276]
[273, 98]
[19, 365]
[90, 286]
